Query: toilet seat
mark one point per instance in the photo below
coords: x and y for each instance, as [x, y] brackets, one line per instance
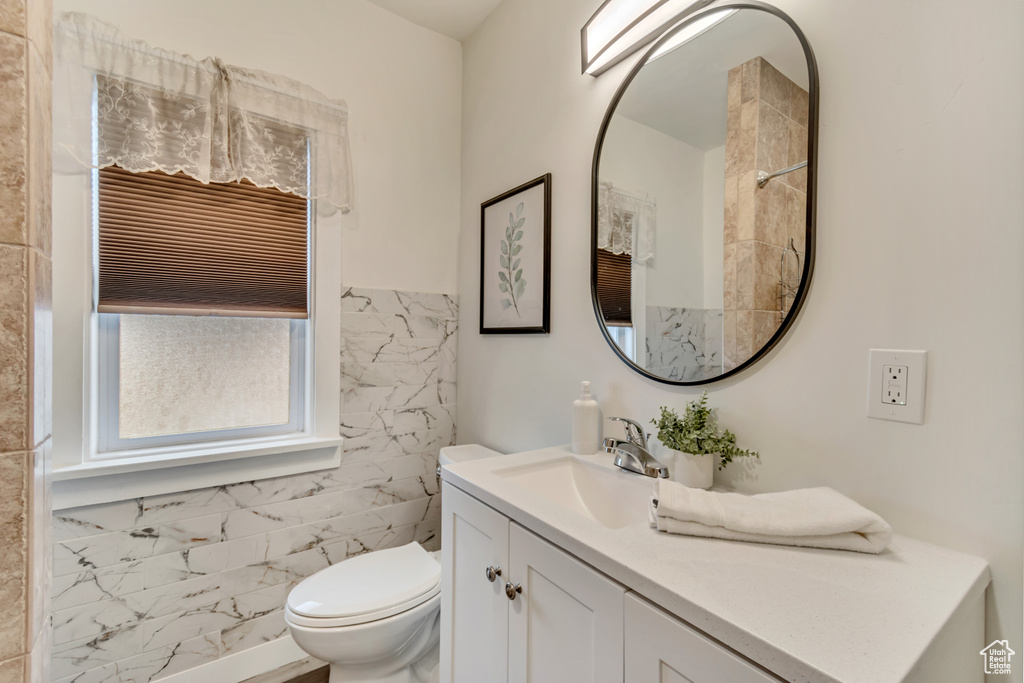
[365, 588]
[354, 620]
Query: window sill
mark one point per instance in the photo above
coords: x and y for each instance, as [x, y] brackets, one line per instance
[171, 471]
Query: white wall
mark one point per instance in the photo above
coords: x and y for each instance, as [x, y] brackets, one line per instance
[402, 85]
[920, 245]
[638, 158]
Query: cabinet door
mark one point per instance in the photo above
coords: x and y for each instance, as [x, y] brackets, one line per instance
[662, 649]
[474, 610]
[566, 625]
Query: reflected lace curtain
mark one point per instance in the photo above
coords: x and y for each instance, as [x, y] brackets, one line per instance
[625, 222]
[161, 111]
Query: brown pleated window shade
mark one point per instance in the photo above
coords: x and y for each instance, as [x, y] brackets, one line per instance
[169, 244]
[614, 275]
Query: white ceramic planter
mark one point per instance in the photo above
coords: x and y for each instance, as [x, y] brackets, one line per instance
[695, 471]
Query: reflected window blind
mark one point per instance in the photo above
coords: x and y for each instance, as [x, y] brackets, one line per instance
[614, 275]
[168, 244]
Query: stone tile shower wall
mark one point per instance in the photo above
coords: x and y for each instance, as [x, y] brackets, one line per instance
[766, 131]
[153, 586]
[25, 339]
[683, 344]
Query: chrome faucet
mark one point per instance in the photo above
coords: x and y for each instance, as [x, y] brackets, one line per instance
[632, 454]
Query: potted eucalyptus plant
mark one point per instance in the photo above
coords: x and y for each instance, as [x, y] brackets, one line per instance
[692, 442]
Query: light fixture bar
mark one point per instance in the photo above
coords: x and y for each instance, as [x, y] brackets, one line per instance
[620, 27]
[685, 35]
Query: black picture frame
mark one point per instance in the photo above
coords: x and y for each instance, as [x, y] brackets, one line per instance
[511, 254]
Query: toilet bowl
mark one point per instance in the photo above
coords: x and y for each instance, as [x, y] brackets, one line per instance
[372, 616]
[375, 618]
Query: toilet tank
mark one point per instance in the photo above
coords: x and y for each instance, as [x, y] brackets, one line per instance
[470, 451]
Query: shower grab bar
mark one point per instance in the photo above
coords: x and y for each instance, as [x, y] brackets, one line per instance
[763, 177]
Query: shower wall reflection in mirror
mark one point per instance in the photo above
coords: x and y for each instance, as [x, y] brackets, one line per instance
[697, 265]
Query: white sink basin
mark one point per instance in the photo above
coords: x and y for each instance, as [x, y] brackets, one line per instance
[613, 499]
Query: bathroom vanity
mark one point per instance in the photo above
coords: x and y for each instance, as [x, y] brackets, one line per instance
[552, 573]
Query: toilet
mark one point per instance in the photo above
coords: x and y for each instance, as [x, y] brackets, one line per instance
[375, 618]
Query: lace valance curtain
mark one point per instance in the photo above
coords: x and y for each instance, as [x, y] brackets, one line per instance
[625, 222]
[161, 111]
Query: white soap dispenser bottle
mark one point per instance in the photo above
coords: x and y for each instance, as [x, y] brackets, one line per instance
[586, 423]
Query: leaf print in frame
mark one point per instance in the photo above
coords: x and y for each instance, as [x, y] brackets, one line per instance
[511, 280]
[515, 260]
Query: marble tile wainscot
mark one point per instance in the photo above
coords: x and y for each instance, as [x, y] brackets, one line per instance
[149, 587]
[683, 344]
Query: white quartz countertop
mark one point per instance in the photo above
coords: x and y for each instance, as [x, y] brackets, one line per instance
[803, 614]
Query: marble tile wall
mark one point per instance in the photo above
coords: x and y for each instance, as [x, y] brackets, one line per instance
[152, 586]
[25, 339]
[766, 131]
[683, 344]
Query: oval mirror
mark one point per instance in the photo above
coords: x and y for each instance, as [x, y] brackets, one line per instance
[703, 196]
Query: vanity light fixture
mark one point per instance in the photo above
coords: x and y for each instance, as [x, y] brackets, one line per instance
[621, 27]
[687, 34]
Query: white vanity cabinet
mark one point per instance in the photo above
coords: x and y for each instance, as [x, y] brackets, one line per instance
[662, 649]
[517, 609]
[546, 618]
[566, 625]
[474, 609]
[605, 598]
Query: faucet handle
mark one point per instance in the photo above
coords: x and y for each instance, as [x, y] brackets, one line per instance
[634, 432]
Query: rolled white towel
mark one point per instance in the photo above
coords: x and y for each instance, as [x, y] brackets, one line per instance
[811, 518]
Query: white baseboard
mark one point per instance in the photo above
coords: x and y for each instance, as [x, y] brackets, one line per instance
[242, 665]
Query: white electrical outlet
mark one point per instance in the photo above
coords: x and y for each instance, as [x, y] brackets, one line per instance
[896, 385]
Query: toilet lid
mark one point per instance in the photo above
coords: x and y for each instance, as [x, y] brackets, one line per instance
[367, 583]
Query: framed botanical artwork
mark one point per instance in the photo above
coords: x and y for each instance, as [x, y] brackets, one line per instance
[515, 260]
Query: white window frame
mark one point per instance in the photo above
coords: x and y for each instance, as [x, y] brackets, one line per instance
[110, 445]
[624, 337]
[83, 476]
[638, 310]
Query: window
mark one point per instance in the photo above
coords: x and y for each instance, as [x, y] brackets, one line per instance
[168, 380]
[196, 306]
[625, 247]
[614, 287]
[615, 292]
[202, 307]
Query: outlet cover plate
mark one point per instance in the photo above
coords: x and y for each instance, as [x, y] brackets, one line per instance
[916, 363]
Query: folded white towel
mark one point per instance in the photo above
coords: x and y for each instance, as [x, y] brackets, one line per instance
[811, 518]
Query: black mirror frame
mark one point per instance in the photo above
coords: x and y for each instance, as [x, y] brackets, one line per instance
[812, 166]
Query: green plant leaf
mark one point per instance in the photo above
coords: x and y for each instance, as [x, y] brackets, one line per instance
[504, 248]
[519, 235]
[502, 276]
[511, 218]
[520, 222]
[519, 274]
[519, 209]
[503, 287]
[504, 261]
[508, 233]
[515, 264]
[520, 286]
[505, 303]
[697, 432]
[518, 248]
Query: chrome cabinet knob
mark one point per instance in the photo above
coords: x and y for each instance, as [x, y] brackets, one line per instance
[511, 591]
[492, 573]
